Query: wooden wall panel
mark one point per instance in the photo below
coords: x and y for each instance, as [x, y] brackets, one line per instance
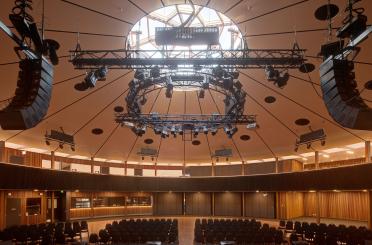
[260, 205]
[168, 203]
[338, 205]
[2, 209]
[23, 195]
[334, 164]
[79, 213]
[290, 205]
[228, 204]
[198, 204]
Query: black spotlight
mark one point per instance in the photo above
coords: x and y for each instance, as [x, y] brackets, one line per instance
[61, 146]
[47, 142]
[51, 47]
[323, 142]
[201, 94]
[271, 74]
[101, 73]
[72, 148]
[143, 158]
[281, 82]
[139, 74]
[90, 79]
[218, 72]
[155, 72]
[308, 146]
[169, 91]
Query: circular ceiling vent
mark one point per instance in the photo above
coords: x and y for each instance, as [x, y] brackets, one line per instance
[270, 99]
[118, 109]
[368, 85]
[97, 131]
[307, 68]
[302, 122]
[245, 137]
[196, 142]
[326, 12]
[148, 141]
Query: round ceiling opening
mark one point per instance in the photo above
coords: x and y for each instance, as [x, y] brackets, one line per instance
[302, 122]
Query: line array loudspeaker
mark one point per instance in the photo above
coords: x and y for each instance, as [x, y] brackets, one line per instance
[341, 95]
[32, 96]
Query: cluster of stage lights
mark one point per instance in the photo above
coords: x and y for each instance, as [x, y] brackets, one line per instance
[172, 125]
[91, 78]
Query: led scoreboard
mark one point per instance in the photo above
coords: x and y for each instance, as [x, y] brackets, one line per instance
[186, 36]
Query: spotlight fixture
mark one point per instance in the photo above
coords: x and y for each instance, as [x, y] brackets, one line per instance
[61, 145]
[139, 74]
[323, 143]
[155, 72]
[308, 146]
[201, 94]
[47, 142]
[164, 132]
[101, 73]
[273, 75]
[214, 131]
[90, 79]
[169, 91]
[205, 129]
[72, 148]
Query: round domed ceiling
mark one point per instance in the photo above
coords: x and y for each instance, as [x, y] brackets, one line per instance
[102, 25]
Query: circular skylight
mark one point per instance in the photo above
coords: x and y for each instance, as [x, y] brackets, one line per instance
[175, 16]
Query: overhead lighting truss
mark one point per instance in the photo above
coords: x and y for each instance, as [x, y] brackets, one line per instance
[169, 59]
[218, 80]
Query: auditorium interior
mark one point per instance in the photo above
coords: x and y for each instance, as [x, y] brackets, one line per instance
[185, 122]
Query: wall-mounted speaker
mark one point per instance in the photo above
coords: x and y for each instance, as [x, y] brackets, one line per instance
[32, 96]
[341, 95]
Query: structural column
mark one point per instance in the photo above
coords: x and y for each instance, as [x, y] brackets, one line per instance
[243, 173]
[243, 204]
[2, 151]
[369, 209]
[316, 159]
[212, 203]
[213, 170]
[52, 206]
[52, 160]
[156, 168]
[92, 165]
[368, 151]
[276, 164]
[125, 168]
[317, 193]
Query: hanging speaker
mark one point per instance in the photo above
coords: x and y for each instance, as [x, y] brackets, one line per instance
[32, 96]
[341, 95]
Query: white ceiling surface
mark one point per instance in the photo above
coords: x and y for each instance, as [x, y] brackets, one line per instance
[63, 16]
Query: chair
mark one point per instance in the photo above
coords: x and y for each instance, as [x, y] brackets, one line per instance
[93, 238]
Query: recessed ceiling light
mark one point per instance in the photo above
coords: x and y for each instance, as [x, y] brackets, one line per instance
[97, 131]
[307, 68]
[196, 142]
[302, 121]
[270, 99]
[148, 141]
[368, 85]
[245, 137]
[118, 109]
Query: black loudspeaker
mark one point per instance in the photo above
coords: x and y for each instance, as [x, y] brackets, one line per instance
[32, 96]
[341, 95]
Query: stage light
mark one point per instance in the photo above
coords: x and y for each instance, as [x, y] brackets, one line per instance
[139, 74]
[47, 142]
[196, 132]
[282, 80]
[61, 146]
[218, 72]
[205, 129]
[51, 49]
[323, 142]
[308, 146]
[271, 74]
[143, 158]
[173, 131]
[228, 83]
[72, 148]
[155, 72]
[164, 132]
[169, 91]
[90, 79]
[201, 94]
[157, 130]
[101, 73]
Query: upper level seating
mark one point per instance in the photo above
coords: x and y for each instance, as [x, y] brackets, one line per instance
[138, 231]
[50, 233]
[242, 231]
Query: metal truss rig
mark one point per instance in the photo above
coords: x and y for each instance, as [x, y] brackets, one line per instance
[144, 59]
[185, 122]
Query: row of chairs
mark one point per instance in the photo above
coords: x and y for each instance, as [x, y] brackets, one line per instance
[49, 233]
[325, 234]
[138, 231]
[239, 231]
